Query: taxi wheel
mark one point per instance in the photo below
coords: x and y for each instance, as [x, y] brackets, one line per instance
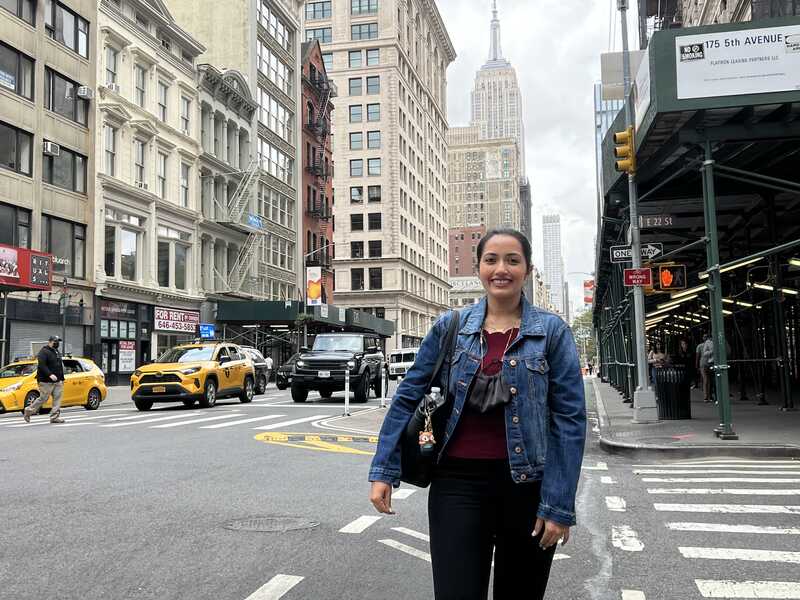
[209, 398]
[361, 393]
[262, 384]
[143, 405]
[248, 391]
[325, 394]
[93, 399]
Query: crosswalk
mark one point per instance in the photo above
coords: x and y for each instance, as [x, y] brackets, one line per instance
[742, 529]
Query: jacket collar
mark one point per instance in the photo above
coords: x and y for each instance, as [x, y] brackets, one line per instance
[531, 321]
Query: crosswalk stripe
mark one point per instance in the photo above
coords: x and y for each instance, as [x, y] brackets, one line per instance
[766, 467]
[241, 421]
[193, 421]
[153, 420]
[765, 509]
[69, 420]
[616, 504]
[360, 524]
[722, 461]
[725, 491]
[740, 554]
[402, 494]
[607, 480]
[407, 549]
[772, 590]
[275, 588]
[600, 466]
[718, 480]
[412, 533]
[707, 472]
[142, 415]
[625, 538]
[292, 422]
[632, 595]
[725, 528]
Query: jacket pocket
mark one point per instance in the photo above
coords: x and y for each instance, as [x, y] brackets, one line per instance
[537, 369]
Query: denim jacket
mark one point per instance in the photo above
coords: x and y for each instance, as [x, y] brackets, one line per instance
[545, 419]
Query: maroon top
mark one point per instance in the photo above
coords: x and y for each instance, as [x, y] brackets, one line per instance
[484, 435]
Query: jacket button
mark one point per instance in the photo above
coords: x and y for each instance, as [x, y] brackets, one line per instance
[523, 477]
[513, 390]
[513, 363]
[515, 419]
[518, 450]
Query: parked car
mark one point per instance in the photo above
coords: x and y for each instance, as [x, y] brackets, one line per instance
[260, 365]
[283, 376]
[401, 361]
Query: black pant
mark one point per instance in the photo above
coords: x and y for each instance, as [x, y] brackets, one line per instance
[473, 507]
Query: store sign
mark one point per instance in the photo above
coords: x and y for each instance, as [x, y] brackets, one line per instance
[23, 269]
[313, 286]
[179, 321]
[638, 277]
[117, 310]
[257, 221]
[730, 63]
[127, 357]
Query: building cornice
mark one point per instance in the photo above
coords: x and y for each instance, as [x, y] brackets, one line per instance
[441, 31]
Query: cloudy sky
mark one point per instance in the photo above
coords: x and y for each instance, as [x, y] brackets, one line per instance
[555, 46]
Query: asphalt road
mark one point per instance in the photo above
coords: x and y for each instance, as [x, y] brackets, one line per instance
[117, 504]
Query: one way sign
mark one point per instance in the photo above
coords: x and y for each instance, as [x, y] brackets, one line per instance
[623, 254]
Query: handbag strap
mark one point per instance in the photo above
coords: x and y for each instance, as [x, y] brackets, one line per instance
[446, 350]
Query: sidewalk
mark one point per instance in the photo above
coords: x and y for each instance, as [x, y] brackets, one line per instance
[762, 430]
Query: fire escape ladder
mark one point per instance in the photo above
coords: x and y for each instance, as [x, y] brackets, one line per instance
[241, 197]
[244, 260]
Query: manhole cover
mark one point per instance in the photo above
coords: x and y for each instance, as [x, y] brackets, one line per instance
[270, 524]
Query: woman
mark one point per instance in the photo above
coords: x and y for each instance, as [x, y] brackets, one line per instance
[508, 466]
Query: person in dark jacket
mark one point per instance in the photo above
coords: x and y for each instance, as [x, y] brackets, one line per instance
[50, 377]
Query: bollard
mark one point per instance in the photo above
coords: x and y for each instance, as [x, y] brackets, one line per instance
[346, 392]
[383, 387]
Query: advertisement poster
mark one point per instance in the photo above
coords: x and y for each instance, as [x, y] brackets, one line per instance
[313, 286]
[641, 89]
[179, 321]
[9, 264]
[751, 61]
[588, 291]
[127, 357]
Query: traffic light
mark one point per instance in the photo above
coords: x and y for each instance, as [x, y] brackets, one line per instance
[625, 151]
[672, 277]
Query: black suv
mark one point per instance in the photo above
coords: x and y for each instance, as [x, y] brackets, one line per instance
[323, 367]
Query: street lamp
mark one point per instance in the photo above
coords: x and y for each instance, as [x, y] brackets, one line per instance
[63, 303]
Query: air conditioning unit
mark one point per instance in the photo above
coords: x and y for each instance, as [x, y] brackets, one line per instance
[141, 185]
[114, 87]
[85, 92]
[52, 149]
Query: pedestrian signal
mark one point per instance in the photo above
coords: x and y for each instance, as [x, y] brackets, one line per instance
[625, 151]
[672, 277]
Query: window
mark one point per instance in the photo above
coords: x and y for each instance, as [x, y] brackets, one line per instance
[118, 230]
[373, 112]
[318, 10]
[163, 90]
[363, 7]
[356, 140]
[356, 249]
[355, 86]
[163, 264]
[373, 139]
[186, 171]
[111, 65]
[357, 168]
[274, 115]
[67, 170]
[16, 71]
[66, 27]
[374, 220]
[327, 60]
[144, 25]
[16, 149]
[374, 85]
[66, 241]
[172, 257]
[186, 111]
[364, 31]
[274, 25]
[375, 248]
[15, 226]
[323, 34]
[181, 253]
[373, 57]
[376, 278]
[24, 9]
[275, 70]
[356, 113]
[161, 184]
[274, 161]
[356, 222]
[356, 195]
[61, 97]
[111, 150]
[356, 279]
[374, 166]
[374, 193]
[138, 161]
[354, 58]
[128, 255]
[140, 78]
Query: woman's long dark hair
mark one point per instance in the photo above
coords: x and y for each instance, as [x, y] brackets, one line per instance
[527, 251]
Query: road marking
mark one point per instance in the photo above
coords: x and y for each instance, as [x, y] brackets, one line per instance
[607, 480]
[402, 494]
[150, 415]
[193, 421]
[241, 422]
[721, 461]
[153, 420]
[724, 491]
[717, 480]
[783, 590]
[292, 422]
[616, 504]
[625, 538]
[706, 471]
[725, 466]
[407, 549]
[412, 533]
[360, 524]
[632, 595]
[764, 509]
[724, 528]
[740, 554]
[69, 420]
[322, 442]
[275, 588]
[559, 556]
[600, 466]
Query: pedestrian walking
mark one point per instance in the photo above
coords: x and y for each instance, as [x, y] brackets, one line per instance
[506, 472]
[706, 362]
[50, 377]
[590, 366]
[268, 360]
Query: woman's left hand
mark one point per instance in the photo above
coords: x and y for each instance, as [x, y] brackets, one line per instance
[553, 532]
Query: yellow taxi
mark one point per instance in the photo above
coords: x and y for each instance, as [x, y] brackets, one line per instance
[188, 373]
[84, 384]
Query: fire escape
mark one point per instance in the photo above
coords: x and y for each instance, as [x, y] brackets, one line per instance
[321, 169]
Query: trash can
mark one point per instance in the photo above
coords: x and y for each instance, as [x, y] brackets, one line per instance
[672, 393]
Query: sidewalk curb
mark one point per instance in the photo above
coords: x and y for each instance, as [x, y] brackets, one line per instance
[612, 446]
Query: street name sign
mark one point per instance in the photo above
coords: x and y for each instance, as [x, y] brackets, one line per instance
[657, 221]
[638, 277]
[623, 254]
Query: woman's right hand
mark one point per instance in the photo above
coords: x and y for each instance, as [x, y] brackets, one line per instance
[381, 497]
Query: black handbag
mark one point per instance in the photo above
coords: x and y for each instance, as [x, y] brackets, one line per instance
[415, 467]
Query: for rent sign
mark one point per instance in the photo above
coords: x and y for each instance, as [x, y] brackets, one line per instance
[178, 321]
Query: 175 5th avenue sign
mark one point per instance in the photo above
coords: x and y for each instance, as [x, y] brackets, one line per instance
[22, 269]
